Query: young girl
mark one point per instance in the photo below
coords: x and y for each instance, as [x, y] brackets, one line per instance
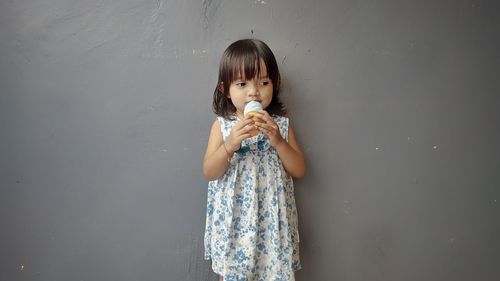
[251, 227]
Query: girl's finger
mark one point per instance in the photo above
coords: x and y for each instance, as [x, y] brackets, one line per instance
[248, 128]
[244, 136]
[256, 116]
[261, 125]
[269, 127]
[267, 118]
[264, 113]
[266, 131]
[242, 124]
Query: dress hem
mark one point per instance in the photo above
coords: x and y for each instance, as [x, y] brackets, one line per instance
[299, 267]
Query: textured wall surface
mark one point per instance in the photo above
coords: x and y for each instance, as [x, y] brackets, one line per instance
[105, 108]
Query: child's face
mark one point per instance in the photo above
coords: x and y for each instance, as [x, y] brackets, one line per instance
[243, 90]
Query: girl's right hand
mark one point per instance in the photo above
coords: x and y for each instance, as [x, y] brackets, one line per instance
[239, 132]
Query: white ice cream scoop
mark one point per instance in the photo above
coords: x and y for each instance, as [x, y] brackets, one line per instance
[252, 106]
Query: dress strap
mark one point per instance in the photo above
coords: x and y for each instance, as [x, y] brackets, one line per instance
[283, 125]
[225, 126]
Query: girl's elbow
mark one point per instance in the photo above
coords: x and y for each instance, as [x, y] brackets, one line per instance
[299, 173]
[209, 174]
[206, 172]
[209, 177]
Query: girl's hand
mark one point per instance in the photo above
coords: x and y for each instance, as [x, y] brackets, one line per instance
[270, 128]
[239, 132]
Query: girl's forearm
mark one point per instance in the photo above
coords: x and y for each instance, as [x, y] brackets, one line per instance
[216, 164]
[293, 160]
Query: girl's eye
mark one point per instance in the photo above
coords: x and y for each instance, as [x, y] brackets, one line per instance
[241, 84]
[264, 82]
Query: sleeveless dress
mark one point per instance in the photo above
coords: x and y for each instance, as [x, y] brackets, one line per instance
[251, 231]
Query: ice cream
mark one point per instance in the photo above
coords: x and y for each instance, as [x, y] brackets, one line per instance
[250, 108]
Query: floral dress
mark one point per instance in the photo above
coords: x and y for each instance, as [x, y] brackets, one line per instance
[251, 229]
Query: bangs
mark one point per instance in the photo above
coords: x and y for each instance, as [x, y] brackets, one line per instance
[242, 66]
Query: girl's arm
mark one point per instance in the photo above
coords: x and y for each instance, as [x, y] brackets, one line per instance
[218, 154]
[291, 156]
[289, 152]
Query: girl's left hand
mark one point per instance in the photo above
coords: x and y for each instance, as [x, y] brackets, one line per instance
[269, 127]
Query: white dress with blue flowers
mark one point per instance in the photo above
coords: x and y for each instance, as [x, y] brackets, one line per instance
[251, 226]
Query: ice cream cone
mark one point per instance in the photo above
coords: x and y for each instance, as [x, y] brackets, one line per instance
[251, 110]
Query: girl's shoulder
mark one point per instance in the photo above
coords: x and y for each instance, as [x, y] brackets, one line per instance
[225, 125]
[281, 120]
[225, 121]
[279, 117]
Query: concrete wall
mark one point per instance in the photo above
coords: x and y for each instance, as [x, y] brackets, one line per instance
[105, 108]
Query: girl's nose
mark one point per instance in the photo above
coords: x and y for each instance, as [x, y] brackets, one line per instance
[253, 90]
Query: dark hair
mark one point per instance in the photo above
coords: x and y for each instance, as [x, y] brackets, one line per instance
[244, 56]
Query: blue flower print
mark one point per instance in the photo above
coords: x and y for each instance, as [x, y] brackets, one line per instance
[251, 229]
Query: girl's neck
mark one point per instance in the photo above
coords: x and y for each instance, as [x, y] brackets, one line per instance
[239, 115]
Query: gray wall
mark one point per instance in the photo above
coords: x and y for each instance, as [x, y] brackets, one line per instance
[105, 108]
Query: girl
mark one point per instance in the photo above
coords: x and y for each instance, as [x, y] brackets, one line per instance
[251, 226]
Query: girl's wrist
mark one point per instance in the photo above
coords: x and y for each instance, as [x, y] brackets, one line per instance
[227, 147]
[280, 143]
[229, 153]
